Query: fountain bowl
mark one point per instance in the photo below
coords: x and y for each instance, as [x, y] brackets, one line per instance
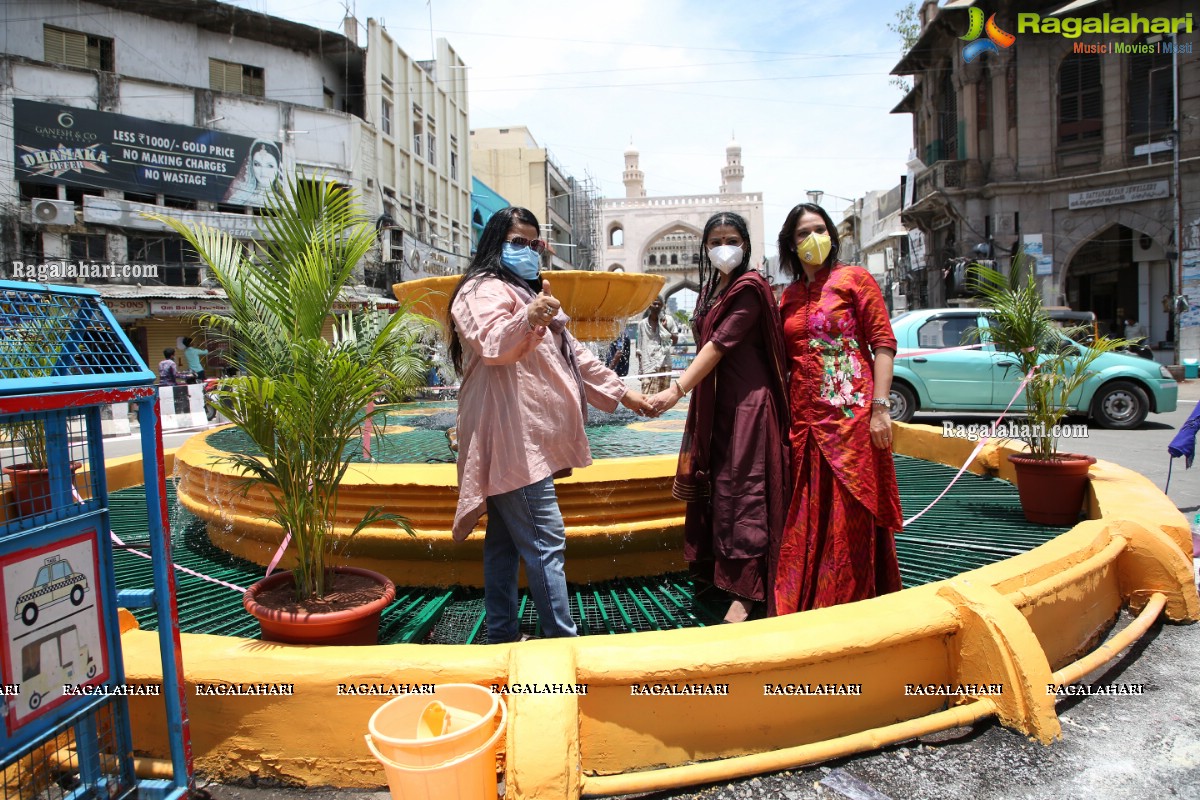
[598, 303]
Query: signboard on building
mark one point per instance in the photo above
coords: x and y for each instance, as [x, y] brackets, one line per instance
[127, 310]
[1113, 195]
[186, 306]
[127, 214]
[1035, 250]
[60, 144]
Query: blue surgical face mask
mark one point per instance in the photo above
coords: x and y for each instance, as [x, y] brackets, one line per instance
[521, 261]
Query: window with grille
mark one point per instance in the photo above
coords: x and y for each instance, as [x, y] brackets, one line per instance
[178, 264]
[1151, 95]
[1080, 99]
[76, 49]
[418, 136]
[453, 158]
[226, 76]
[88, 247]
[386, 118]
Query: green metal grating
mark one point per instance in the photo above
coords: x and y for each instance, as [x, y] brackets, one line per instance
[978, 523]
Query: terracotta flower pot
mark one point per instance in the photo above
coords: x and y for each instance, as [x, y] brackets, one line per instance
[354, 626]
[1052, 491]
[30, 488]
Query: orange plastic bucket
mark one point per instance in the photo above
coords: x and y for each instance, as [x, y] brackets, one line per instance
[469, 776]
[398, 733]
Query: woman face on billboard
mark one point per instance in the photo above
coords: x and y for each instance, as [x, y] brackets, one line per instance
[265, 167]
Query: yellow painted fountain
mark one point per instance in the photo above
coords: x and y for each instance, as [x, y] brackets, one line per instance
[1007, 629]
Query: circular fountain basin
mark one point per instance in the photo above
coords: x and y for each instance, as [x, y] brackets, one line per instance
[1008, 630]
[621, 519]
[598, 303]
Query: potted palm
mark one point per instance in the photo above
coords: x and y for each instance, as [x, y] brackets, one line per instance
[1051, 484]
[303, 398]
[30, 349]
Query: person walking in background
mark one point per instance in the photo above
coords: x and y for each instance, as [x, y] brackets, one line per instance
[522, 407]
[653, 347]
[618, 354]
[192, 356]
[733, 471]
[168, 373]
[838, 545]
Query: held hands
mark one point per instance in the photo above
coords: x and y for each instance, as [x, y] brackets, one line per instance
[543, 308]
[881, 427]
[636, 402]
[667, 398]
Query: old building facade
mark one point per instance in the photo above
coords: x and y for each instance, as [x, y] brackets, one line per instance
[1067, 132]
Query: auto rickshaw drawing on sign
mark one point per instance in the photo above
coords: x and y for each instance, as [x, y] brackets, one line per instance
[52, 660]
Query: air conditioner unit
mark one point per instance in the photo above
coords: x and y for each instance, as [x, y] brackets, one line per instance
[53, 212]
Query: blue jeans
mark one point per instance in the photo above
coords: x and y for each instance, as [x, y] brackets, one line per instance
[525, 525]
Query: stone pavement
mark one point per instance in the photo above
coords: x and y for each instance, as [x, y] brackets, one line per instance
[1112, 748]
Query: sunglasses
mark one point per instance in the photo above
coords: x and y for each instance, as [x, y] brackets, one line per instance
[536, 245]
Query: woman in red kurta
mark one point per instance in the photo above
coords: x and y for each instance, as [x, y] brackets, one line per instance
[733, 462]
[838, 544]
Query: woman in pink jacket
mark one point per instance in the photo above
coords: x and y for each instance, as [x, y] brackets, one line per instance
[522, 406]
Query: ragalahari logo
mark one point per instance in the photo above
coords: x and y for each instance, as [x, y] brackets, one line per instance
[997, 38]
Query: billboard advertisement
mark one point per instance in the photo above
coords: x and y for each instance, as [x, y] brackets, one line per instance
[60, 144]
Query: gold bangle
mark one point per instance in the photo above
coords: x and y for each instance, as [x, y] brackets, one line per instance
[675, 382]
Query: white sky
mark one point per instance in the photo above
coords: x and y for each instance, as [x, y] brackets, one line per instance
[803, 85]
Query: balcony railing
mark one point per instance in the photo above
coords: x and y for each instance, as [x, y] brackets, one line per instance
[939, 177]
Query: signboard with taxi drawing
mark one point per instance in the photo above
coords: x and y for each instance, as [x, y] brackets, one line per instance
[52, 626]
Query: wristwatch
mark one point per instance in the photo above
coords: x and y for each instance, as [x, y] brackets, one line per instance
[886, 402]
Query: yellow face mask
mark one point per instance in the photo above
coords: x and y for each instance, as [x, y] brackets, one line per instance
[814, 249]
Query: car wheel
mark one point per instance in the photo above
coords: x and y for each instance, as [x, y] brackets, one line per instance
[904, 402]
[1120, 405]
[35, 700]
[76, 595]
[91, 670]
[29, 613]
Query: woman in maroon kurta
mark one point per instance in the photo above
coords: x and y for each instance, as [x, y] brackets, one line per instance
[838, 544]
[733, 461]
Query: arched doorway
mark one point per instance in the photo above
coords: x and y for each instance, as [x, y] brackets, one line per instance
[1119, 274]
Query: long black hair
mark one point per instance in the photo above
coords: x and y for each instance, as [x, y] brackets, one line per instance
[789, 259]
[486, 264]
[710, 275]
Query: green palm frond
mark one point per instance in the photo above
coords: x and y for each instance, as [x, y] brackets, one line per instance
[303, 399]
[1019, 325]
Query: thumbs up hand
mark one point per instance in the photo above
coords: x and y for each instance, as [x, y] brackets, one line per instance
[543, 308]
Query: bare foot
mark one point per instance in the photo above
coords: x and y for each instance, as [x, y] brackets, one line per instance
[739, 610]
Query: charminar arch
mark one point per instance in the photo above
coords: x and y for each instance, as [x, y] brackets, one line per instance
[661, 235]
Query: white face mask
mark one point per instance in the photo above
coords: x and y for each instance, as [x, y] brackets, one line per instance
[726, 257]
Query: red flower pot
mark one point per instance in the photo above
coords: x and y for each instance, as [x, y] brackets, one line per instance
[353, 626]
[29, 491]
[1052, 491]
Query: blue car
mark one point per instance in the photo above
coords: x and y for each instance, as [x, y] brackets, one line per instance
[1119, 393]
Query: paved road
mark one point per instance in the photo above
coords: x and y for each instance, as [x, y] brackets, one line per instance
[1145, 746]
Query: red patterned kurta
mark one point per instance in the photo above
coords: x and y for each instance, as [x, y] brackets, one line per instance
[838, 544]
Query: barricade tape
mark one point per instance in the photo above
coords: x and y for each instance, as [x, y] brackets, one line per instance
[984, 440]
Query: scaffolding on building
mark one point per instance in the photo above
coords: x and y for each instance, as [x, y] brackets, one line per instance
[585, 202]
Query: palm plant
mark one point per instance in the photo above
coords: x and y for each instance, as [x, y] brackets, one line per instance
[1019, 326]
[304, 398]
[31, 349]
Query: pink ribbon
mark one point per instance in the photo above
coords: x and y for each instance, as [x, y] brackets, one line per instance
[366, 434]
[199, 575]
[978, 447]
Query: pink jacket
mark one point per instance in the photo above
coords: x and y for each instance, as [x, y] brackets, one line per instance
[518, 405]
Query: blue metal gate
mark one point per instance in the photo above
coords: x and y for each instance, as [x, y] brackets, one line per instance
[64, 697]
